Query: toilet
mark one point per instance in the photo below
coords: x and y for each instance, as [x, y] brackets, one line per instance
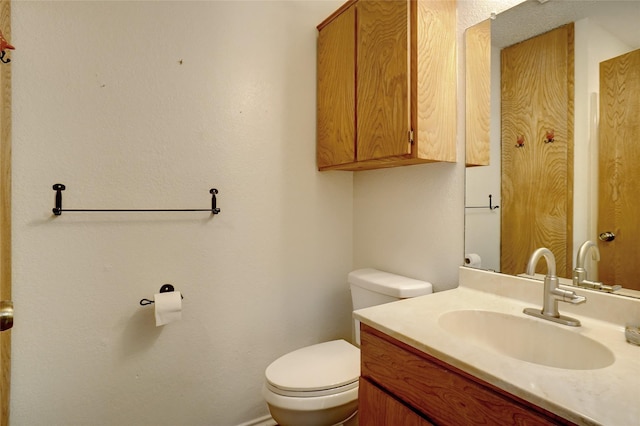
[318, 385]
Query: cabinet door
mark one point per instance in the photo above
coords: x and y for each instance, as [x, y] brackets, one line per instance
[478, 94]
[383, 79]
[379, 408]
[619, 175]
[336, 119]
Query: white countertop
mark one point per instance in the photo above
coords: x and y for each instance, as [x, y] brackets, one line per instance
[607, 396]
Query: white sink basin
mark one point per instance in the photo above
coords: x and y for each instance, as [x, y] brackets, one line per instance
[528, 339]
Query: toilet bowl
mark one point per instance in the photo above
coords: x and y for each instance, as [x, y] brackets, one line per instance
[318, 385]
[314, 386]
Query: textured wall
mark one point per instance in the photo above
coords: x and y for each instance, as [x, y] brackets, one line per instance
[150, 104]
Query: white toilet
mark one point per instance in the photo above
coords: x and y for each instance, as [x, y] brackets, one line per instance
[318, 385]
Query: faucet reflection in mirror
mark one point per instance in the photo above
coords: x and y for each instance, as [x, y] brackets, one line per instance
[552, 293]
[580, 273]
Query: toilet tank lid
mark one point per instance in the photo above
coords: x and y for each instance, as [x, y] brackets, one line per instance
[389, 284]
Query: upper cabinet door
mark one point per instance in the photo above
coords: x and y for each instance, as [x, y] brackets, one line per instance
[383, 80]
[435, 83]
[478, 94]
[387, 84]
[336, 121]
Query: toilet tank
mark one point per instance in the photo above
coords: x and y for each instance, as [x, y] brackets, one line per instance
[371, 287]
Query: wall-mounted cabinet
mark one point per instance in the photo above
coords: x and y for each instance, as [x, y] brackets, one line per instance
[478, 94]
[387, 85]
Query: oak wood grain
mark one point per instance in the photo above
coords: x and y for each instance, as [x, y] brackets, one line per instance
[5, 212]
[396, 42]
[436, 80]
[382, 409]
[619, 180]
[383, 80]
[478, 94]
[336, 114]
[537, 178]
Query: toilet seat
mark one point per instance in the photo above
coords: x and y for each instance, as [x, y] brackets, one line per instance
[327, 368]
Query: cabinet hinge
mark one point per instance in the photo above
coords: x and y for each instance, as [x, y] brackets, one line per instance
[411, 136]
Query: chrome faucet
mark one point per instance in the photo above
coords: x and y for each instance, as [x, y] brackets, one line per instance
[552, 293]
[580, 273]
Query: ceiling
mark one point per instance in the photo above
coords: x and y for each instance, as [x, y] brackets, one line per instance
[534, 17]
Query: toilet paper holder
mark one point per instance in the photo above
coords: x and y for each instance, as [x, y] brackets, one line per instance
[164, 289]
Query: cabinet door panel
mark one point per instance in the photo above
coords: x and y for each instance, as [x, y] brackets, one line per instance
[336, 91]
[379, 408]
[537, 179]
[436, 79]
[619, 180]
[478, 94]
[383, 80]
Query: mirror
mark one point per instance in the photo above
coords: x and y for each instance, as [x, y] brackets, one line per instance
[596, 24]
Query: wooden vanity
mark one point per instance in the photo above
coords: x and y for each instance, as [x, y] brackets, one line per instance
[402, 386]
[417, 370]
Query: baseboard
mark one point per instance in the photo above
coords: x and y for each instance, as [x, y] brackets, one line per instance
[261, 421]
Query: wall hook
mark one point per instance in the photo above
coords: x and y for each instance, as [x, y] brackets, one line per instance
[520, 141]
[550, 136]
[4, 45]
[164, 289]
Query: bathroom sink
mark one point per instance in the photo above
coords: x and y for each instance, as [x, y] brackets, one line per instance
[528, 339]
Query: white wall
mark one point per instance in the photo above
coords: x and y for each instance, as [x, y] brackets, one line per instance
[150, 104]
[482, 226]
[102, 104]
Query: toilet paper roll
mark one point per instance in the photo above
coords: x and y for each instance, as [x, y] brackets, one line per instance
[168, 307]
[472, 260]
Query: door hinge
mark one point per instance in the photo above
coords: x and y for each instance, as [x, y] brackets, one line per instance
[411, 136]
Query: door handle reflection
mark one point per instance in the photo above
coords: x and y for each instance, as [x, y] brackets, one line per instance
[6, 315]
[607, 236]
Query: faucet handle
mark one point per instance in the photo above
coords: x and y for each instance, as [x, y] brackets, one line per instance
[597, 285]
[610, 288]
[568, 296]
[575, 299]
[579, 275]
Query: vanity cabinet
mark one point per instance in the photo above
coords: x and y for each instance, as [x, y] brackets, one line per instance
[386, 89]
[402, 383]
